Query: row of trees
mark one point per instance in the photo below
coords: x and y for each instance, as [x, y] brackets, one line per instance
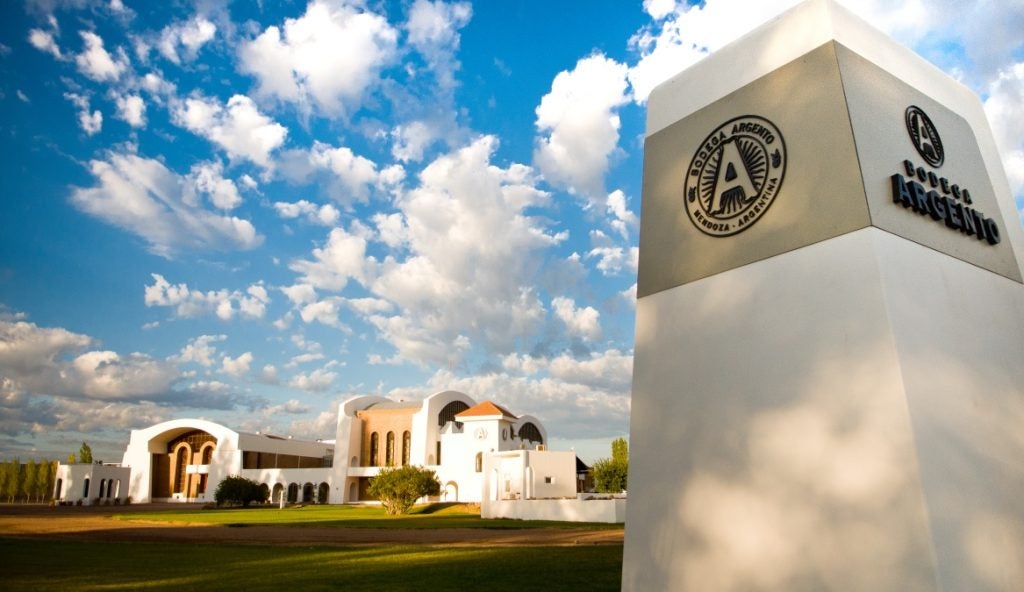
[33, 481]
[27, 482]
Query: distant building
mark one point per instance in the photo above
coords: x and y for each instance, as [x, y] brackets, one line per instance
[185, 459]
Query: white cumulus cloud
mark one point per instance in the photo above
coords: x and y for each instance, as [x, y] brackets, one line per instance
[580, 322]
[580, 125]
[96, 63]
[143, 197]
[131, 109]
[236, 367]
[324, 215]
[91, 121]
[188, 302]
[188, 36]
[238, 127]
[326, 58]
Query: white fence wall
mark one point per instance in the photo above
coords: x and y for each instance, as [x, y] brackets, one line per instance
[564, 510]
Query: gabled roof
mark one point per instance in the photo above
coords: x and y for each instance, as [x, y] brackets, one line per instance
[486, 409]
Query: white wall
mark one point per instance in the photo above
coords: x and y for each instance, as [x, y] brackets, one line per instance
[562, 510]
[72, 478]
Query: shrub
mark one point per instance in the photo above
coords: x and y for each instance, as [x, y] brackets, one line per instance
[399, 488]
[235, 490]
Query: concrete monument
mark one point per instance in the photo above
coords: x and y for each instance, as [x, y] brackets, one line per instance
[828, 384]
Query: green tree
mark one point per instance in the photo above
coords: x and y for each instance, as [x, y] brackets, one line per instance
[239, 491]
[28, 484]
[399, 488]
[44, 480]
[611, 474]
[85, 454]
[620, 450]
[5, 472]
[71, 459]
[13, 480]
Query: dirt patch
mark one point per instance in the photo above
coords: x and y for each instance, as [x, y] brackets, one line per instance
[97, 524]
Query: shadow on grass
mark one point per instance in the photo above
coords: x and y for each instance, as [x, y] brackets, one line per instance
[94, 566]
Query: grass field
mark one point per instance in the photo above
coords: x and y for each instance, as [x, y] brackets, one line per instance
[422, 517]
[32, 564]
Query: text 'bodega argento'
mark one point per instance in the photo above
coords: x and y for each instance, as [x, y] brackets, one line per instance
[942, 208]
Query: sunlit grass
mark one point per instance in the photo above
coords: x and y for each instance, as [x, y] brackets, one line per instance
[30, 564]
[422, 517]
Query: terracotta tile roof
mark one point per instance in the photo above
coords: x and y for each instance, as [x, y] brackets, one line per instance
[486, 408]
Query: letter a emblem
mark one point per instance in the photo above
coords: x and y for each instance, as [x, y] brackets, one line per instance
[733, 186]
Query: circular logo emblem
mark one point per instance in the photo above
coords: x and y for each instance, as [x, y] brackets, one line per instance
[924, 136]
[735, 175]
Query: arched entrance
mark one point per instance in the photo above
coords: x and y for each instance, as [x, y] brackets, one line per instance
[323, 493]
[278, 492]
[307, 493]
[451, 491]
[293, 493]
[177, 473]
[353, 492]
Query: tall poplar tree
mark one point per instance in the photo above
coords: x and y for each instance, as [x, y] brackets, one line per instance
[44, 483]
[5, 472]
[13, 480]
[85, 454]
[28, 483]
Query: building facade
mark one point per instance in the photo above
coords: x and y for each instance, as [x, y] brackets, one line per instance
[184, 460]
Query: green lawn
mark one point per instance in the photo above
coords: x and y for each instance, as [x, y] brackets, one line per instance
[430, 516]
[30, 564]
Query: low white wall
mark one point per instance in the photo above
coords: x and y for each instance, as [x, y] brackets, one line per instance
[564, 510]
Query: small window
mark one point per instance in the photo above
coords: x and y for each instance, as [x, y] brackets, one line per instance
[479, 462]
[549, 480]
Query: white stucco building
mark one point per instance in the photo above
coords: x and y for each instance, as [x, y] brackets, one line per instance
[475, 450]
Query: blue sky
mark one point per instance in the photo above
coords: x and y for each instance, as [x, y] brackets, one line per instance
[248, 212]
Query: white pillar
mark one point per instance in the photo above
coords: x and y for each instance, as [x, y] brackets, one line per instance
[828, 389]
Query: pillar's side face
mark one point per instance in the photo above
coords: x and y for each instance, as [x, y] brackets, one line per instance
[900, 130]
[769, 168]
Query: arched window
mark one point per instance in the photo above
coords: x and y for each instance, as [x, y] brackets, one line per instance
[389, 450]
[406, 445]
[479, 462]
[528, 431]
[207, 454]
[181, 458]
[374, 444]
[449, 411]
